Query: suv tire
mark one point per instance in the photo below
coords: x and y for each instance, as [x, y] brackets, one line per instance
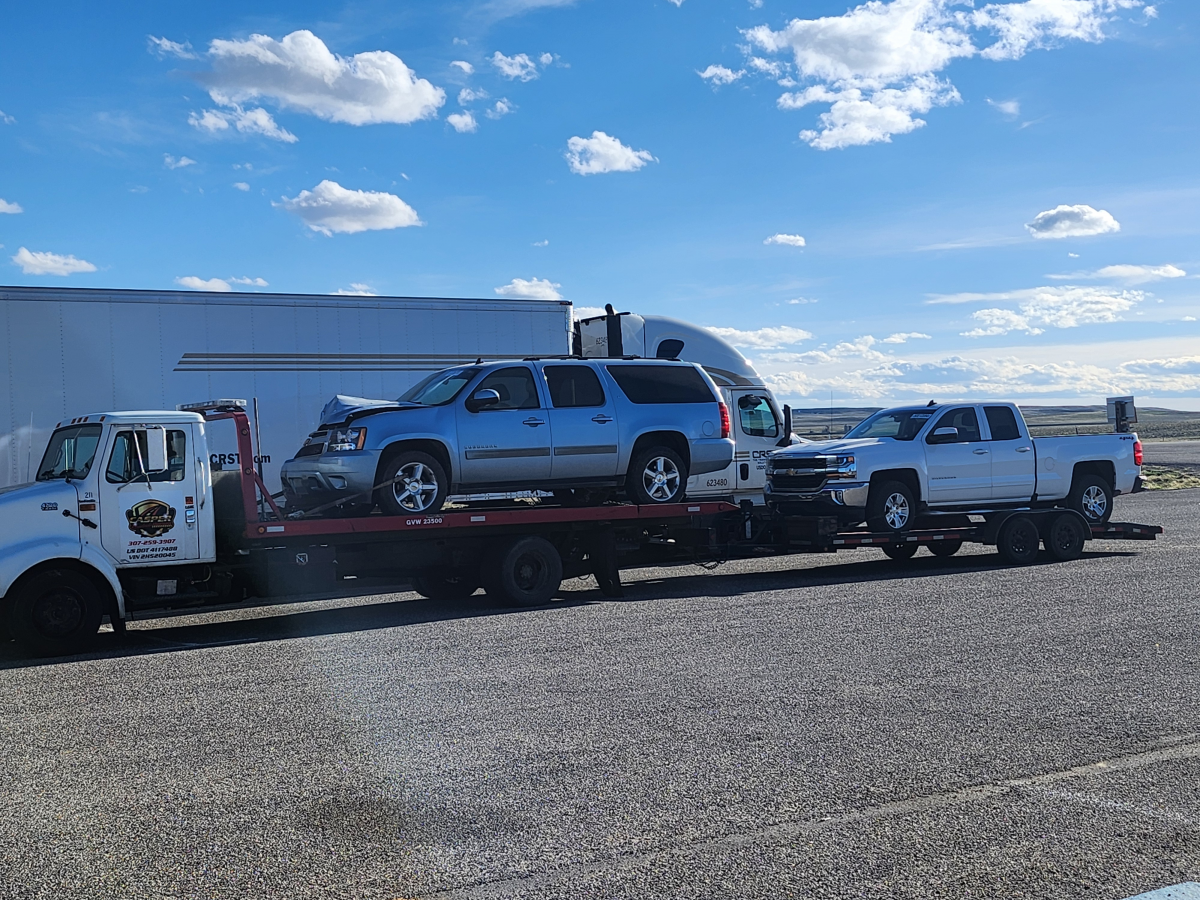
[657, 475]
[1092, 497]
[890, 507]
[414, 484]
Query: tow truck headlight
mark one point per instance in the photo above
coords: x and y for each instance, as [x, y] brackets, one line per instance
[841, 467]
[346, 439]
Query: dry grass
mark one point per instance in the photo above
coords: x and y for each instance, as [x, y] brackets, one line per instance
[1164, 478]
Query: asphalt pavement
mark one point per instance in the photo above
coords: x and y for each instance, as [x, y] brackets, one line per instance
[835, 726]
[1172, 453]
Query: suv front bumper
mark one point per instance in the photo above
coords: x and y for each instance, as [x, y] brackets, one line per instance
[313, 480]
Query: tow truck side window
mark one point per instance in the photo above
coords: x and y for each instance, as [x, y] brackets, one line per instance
[69, 453]
[123, 464]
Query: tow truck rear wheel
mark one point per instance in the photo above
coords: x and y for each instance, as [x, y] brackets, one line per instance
[522, 572]
[446, 584]
[1018, 541]
[901, 552]
[1065, 536]
[55, 613]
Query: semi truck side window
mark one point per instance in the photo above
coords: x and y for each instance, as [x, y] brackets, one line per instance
[123, 462]
[1003, 423]
[573, 386]
[757, 417]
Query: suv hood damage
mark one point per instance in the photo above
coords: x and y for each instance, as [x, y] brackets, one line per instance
[343, 408]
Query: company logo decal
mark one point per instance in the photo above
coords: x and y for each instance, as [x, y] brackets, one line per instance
[150, 518]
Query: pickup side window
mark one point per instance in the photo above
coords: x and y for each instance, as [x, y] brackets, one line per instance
[572, 387]
[661, 384]
[123, 463]
[964, 419]
[1003, 423]
[515, 386]
[757, 417]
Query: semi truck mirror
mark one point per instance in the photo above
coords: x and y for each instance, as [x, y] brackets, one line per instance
[156, 450]
[482, 399]
[785, 439]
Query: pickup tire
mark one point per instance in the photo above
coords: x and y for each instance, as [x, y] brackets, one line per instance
[1018, 541]
[522, 572]
[1092, 497]
[55, 612]
[890, 507]
[414, 483]
[445, 585]
[657, 475]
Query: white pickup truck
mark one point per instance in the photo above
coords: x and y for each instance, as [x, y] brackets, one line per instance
[905, 463]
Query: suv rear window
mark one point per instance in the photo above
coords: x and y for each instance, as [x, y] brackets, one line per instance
[662, 384]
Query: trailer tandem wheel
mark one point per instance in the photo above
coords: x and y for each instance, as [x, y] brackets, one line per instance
[901, 552]
[1065, 536]
[524, 571]
[1018, 541]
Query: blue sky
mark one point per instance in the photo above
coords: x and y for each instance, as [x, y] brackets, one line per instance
[897, 200]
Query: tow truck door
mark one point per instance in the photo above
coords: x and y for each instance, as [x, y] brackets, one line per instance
[757, 427]
[148, 518]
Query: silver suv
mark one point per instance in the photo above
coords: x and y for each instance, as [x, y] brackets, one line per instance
[579, 427]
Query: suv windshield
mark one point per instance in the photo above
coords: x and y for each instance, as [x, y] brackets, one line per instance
[900, 424]
[70, 453]
[439, 388]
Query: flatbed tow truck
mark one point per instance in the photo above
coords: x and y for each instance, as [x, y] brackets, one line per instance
[151, 530]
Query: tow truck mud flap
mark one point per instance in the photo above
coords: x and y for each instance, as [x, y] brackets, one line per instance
[284, 571]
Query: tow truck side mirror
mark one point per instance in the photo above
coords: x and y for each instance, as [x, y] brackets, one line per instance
[785, 439]
[156, 450]
[482, 399]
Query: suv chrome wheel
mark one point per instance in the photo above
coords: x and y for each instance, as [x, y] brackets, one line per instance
[415, 487]
[661, 478]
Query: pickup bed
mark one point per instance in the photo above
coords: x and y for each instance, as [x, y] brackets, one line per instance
[905, 463]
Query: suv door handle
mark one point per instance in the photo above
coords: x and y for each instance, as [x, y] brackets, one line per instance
[602, 419]
[534, 423]
[1022, 449]
[979, 451]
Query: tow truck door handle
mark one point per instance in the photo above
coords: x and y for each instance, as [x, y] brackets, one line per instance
[534, 423]
[979, 451]
[601, 419]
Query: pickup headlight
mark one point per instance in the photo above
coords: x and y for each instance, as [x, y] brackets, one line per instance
[841, 467]
[346, 439]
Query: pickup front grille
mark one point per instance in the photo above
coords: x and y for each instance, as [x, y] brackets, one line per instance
[809, 482]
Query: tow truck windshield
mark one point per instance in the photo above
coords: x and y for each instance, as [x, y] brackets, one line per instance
[70, 452]
[439, 388]
[900, 424]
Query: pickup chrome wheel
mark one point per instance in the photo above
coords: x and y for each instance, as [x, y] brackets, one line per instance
[656, 475]
[890, 507]
[413, 483]
[1092, 497]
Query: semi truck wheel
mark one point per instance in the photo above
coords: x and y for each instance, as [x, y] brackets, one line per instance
[890, 507]
[944, 548]
[1091, 496]
[414, 483]
[901, 552]
[55, 613]
[445, 585]
[1065, 537]
[1018, 541]
[523, 572]
[657, 475]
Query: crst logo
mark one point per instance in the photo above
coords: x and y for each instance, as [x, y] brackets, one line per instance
[150, 518]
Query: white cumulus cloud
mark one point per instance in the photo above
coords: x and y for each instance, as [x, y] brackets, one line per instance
[463, 122]
[300, 73]
[241, 185]
[788, 240]
[161, 47]
[35, 262]
[531, 289]
[1072, 221]
[903, 337]
[172, 163]
[763, 338]
[1129, 274]
[1010, 108]
[10, 208]
[602, 153]
[500, 108]
[356, 289]
[467, 95]
[464, 65]
[246, 121]
[720, 75]
[253, 282]
[330, 208]
[196, 283]
[519, 67]
[6, 119]
[1040, 308]
[877, 63]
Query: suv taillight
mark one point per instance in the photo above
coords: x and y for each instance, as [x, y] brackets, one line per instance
[726, 425]
[1137, 453]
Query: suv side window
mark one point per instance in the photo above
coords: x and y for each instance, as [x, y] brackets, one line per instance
[964, 419]
[1003, 423]
[661, 384]
[515, 386]
[573, 386]
[757, 417]
[123, 463]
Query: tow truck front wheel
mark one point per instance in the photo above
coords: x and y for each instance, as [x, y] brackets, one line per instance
[445, 585]
[55, 613]
[890, 507]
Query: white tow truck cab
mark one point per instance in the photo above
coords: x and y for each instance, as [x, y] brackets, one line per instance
[760, 427]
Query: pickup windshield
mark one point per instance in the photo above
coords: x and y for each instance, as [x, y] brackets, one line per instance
[899, 424]
[439, 388]
[70, 453]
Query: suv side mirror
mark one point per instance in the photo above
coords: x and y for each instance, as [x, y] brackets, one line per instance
[947, 435]
[482, 399]
[156, 450]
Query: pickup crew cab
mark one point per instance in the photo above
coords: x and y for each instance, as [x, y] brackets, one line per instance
[899, 463]
[579, 426]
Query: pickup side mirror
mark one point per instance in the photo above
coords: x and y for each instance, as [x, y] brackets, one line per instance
[947, 435]
[156, 450]
[482, 399]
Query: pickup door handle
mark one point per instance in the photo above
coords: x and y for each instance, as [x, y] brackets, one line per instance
[1022, 449]
[979, 451]
[602, 419]
[534, 423]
